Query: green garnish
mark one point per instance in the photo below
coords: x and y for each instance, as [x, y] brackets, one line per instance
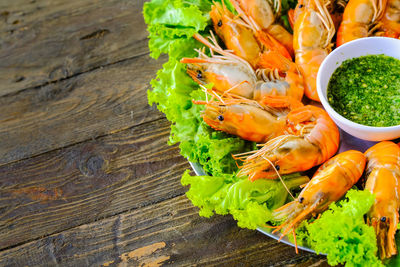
[366, 90]
[342, 234]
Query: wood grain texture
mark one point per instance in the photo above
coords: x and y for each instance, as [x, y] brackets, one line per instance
[168, 233]
[47, 40]
[80, 108]
[88, 181]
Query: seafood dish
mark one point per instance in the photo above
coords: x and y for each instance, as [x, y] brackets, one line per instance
[239, 88]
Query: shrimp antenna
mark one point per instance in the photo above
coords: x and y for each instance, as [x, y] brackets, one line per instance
[233, 87]
[212, 93]
[277, 6]
[247, 19]
[280, 177]
[295, 241]
[326, 19]
[378, 10]
[212, 44]
[205, 90]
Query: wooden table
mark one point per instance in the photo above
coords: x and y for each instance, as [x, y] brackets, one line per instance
[86, 175]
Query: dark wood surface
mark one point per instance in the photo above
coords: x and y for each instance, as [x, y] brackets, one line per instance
[86, 175]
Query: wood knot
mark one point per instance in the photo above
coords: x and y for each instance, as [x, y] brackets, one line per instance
[92, 165]
[55, 91]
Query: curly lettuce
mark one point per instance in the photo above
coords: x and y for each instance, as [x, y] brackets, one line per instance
[250, 203]
[171, 25]
[342, 234]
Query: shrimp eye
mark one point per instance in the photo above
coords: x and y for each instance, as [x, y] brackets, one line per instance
[277, 167]
[301, 199]
[199, 75]
[219, 23]
[383, 219]
[301, 5]
[220, 117]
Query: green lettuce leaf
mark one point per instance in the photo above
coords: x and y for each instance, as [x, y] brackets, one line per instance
[214, 149]
[172, 23]
[342, 234]
[250, 203]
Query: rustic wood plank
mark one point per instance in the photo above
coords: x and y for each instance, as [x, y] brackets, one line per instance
[47, 40]
[88, 181]
[168, 233]
[77, 109]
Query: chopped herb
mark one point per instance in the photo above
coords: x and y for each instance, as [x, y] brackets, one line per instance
[366, 90]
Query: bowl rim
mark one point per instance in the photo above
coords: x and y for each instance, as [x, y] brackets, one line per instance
[325, 102]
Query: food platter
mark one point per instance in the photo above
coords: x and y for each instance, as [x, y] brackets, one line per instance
[248, 67]
[347, 142]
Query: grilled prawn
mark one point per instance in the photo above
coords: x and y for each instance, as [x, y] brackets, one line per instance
[311, 138]
[331, 181]
[360, 17]
[390, 22]
[312, 36]
[383, 180]
[264, 15]
[363, 18]
[226, 71]
[244, 118]
[244, 39]
[230, 73]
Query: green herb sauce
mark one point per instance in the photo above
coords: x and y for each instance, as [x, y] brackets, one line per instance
[366, 90]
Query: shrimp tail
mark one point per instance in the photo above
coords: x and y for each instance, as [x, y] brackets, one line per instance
[383, 173]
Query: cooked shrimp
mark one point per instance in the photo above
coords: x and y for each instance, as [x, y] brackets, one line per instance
[311, 138]
[390, 22]
[244, 118]
[331, 181]
[227, 72]
[235, 36]
[293, 14]
[245, 40]
[264, 15]
[360, 19]
[383, 180]
[313, 32]
[335, 8]
[230, 73]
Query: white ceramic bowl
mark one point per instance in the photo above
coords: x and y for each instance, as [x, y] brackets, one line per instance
[353, 49]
